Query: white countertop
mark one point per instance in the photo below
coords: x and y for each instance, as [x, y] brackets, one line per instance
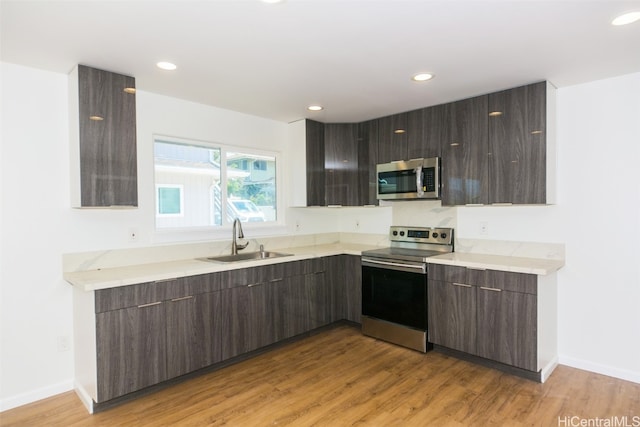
[92, 280]
[538, 266]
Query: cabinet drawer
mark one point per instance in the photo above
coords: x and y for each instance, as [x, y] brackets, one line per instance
[447, 273]
[129, 296]
[508, 281]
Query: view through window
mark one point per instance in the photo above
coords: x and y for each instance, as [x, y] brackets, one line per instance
[200, 185]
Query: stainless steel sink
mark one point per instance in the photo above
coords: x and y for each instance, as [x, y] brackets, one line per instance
[246, 256]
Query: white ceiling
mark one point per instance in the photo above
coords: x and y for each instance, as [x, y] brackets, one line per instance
[353, 57]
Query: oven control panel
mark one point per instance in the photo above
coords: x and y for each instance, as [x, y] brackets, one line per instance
[443, 236]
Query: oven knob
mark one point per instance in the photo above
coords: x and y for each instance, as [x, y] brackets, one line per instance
[443, 235]
[434, 235]
[395, 233]
[402, 233]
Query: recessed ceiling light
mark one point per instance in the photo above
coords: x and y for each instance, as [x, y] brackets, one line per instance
[422, 77]
[166, 66]
[315, 108]
[627, 18]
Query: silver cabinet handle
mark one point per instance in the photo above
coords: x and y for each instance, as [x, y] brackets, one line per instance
[463, 285]
[490, 289]
[181, 298]
[150, 304]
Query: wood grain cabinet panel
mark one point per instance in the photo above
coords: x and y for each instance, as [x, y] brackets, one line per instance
[487, 313]
[192, 324]
[105, 111]
[392, 138]
[315, 163]
[452, 315]
[464, 153]
[507, 330]
[517, 143]
[131, 347]
[367, 161]
[342, 182]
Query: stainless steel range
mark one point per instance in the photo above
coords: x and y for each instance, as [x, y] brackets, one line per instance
[394, 285]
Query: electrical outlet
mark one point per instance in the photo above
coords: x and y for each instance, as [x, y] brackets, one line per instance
[484, 228]
[64, 343]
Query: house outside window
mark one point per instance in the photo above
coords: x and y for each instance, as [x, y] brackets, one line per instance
[215, 184]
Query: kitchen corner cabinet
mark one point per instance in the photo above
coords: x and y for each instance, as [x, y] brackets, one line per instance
[342, 184]
[337, 165]
[103, 139]
[315, 163]
[132, 337]
[367, 161]
[517, 145]
[492, 314]
[464, 152]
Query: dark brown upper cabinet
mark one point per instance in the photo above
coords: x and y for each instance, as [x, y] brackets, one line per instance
[103, 139]
[341, 164]
[338, 163]
[517, 145]
[315, 163]
[367, 160]
[465, 152]
[393, 138]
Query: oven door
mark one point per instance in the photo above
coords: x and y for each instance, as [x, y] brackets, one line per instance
[395, 292]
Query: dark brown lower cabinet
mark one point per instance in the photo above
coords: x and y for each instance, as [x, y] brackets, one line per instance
[131, 345]
[486, 313]
[182, 325]
[507, 327]
[192, 322]
[452, 315]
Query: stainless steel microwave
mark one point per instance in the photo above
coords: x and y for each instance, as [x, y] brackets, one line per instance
[409, 179]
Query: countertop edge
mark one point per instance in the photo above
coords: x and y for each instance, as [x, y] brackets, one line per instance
[93, 280]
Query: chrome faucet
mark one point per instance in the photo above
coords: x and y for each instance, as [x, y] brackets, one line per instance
[235, 247]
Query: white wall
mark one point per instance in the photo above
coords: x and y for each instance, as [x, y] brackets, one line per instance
[599, 136]
[38, 225]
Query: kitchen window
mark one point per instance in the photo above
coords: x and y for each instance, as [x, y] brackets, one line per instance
[199, 184]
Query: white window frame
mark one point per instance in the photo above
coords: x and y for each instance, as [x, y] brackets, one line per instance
[256, 229]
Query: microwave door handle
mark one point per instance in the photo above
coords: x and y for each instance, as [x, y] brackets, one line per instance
[419, 189]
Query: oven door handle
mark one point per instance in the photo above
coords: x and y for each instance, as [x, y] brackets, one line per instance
[393, 265]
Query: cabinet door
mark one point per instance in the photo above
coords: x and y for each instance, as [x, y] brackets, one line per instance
[367, 161]
[319, 299]
[507, 327]
[235, 325]
[131, 347]
[392, 138]
[434, 132]
[341, 164]
[419, 126]
[452, 315]
[292, 307]
[517, 142]
[352, 279]
[464, 153]
[107, 132]
[193, 328]
[315, 163]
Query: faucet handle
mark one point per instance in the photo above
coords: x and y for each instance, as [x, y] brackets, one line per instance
[262, 248]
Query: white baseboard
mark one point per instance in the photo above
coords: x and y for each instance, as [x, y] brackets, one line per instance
[35, 395]
[586, 365]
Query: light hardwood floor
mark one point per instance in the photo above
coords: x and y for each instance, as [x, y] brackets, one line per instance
[341, 378]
